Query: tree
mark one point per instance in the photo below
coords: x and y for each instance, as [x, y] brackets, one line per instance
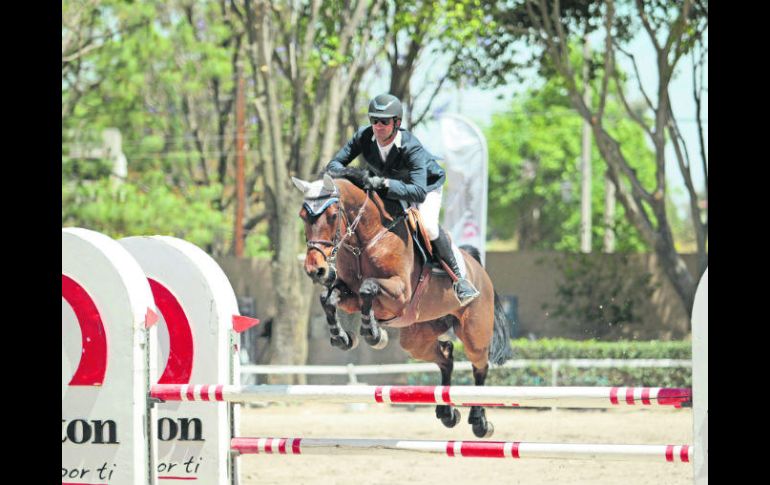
[145, 207]
[534, 175]
[164, 75]
[673, 29]
[418, 31]
[166, 78]
[303, 59]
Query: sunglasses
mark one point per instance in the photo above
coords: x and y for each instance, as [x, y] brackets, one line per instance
[383, 121]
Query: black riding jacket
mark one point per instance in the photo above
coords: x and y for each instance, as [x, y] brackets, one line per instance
[412, 170]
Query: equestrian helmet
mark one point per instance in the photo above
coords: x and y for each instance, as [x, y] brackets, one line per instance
[385, 106]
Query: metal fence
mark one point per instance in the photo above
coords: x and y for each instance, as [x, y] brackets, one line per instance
[353, 371]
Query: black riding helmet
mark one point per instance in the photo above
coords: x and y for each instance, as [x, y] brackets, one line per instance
[386, 106]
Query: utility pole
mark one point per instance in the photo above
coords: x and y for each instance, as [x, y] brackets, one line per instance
[609, 215]
[240, 195]
[460, 96]
[585, 166]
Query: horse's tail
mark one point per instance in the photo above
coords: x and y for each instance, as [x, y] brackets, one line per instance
[500, 349]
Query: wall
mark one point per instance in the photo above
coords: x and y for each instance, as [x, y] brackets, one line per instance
[532, 276]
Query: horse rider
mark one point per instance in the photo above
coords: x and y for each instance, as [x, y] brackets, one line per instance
[400, 168]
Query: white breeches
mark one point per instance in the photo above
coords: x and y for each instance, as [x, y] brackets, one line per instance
[429, 210]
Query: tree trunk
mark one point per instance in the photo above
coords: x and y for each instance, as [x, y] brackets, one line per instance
[288, 344]
[660, 237]
[331, 122]
[673, 265]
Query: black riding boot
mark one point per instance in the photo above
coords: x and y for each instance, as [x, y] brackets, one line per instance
[464, 289]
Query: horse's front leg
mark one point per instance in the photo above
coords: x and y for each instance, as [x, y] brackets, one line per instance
[340, 337]
[370, 331]
[371, 288]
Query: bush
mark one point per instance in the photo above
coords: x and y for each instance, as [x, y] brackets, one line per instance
[540, 375]
[600, 298]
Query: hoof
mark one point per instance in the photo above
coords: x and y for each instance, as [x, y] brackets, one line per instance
[340, 343]
[383, 342]
[451, 421]
[353, 340]
[483, 429]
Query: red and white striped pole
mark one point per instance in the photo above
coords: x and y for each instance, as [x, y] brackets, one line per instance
[462, 449]
[579, 397]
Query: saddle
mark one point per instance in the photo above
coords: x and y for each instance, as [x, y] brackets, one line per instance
[417, 230]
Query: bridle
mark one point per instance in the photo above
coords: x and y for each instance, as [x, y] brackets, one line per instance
[339, 239]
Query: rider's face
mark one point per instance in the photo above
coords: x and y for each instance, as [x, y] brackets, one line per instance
[381, 131]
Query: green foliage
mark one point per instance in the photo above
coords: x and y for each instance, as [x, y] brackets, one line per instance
[534, 173]
[257, 246]
[599, 298]
[153, 78]
[146, 208]
[446, 25]
[80, 169]
[540, 375]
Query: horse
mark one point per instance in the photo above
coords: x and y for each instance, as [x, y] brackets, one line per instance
[368, 262]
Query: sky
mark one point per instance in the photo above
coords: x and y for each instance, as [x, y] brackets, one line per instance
[479, 105]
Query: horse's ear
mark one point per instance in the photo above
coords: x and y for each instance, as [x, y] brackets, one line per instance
[300, 184]
[329, 183]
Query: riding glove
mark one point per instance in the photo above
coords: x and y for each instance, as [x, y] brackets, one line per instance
[375, 183]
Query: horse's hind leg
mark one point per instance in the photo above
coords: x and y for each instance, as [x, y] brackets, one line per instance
[421, 342]
[475, 331]
[340, 337]
[448, 415]
[478, 418]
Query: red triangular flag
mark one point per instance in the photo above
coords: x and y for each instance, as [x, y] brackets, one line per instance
[241, 323]
[150, 318]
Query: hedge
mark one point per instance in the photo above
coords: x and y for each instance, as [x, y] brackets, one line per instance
[569, 376]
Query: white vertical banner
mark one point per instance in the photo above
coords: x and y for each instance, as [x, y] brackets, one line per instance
[465, 193]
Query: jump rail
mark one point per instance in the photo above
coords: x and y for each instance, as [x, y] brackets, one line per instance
[464, 449]
[582, 397]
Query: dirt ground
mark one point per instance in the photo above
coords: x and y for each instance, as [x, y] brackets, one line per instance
[620, 426]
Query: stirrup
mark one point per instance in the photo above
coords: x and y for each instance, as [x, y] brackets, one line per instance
[465, 291]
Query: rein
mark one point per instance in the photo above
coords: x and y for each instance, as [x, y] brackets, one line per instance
[349, 231]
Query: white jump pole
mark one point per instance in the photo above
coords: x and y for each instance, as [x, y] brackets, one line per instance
[488, 396]
[462, 449]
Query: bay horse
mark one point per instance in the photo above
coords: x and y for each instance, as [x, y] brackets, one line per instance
[368, 263]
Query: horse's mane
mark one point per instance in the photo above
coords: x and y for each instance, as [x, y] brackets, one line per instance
[353, 174]
[357, 176]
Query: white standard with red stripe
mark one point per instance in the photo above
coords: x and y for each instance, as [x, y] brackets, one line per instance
[105, 366]
[197, 307]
